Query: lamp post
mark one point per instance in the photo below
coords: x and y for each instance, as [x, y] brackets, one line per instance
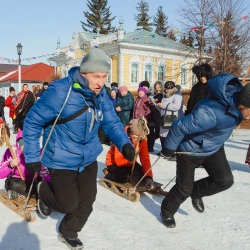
[19, 52]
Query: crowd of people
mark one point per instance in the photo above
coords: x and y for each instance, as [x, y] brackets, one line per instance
[67, 170]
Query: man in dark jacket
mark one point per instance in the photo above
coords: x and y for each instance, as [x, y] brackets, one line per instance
[73, 147]
[199, 138]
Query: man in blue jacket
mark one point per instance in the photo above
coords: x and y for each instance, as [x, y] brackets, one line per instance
[200, 137]
[72, 149]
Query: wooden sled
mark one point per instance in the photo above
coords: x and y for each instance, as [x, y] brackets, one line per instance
[128, 191]
[16, 205]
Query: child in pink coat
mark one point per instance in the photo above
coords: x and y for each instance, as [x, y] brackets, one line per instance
[13, 183]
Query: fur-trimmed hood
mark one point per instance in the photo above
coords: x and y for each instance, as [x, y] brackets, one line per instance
[172, 92]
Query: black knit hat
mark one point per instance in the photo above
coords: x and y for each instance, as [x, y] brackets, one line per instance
[144, 84]
[45, 83]
[12, 89]
[244, 96]
[202, 70]
[169, 85]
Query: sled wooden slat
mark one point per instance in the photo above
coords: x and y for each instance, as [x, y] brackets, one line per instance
[16, 205]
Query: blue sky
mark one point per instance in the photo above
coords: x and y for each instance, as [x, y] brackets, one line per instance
[37, 24]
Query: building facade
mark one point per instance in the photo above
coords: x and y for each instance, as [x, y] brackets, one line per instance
[134, 57]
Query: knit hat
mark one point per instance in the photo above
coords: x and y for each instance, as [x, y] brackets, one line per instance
[123, 88]
[96, 60]
[45, 83]
[144, 84]
[169, 85]
[244, 96]
[142, 89]
[12, 89]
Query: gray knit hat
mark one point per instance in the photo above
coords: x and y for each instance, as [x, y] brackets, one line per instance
[96, 60]
[244, 96]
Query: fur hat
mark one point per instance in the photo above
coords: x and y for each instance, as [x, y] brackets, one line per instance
[169, 85]
[96, 60]
[141, 128]
[123, 88]
[202, 70]
[144, 84]
[244, 96]
[142, 89]
[12, 89]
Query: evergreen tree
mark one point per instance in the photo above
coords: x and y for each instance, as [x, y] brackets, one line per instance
[143, 18]
[188, 39]
[99, 16]
[161, 21]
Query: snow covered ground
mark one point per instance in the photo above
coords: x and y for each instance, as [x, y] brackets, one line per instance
[118, 224]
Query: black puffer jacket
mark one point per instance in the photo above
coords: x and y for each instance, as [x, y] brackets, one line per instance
[198, 92]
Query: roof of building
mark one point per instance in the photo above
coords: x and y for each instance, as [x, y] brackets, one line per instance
[36, 72]
[8, 67]
[148, 38]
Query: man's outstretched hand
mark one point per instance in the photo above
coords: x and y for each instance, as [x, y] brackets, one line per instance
[128, 151]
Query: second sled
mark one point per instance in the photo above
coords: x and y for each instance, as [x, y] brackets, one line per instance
[17, 205]
[129, 191]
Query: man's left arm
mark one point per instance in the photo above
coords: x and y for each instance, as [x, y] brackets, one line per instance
[201, 119]
[113, 128]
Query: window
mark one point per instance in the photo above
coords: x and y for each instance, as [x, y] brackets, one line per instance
[148, 72]
[160, 76]
[134, 72]
[183, 76]
[194, 79]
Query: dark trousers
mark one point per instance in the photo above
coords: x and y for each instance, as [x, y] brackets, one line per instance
[20, 186]
[219, 178]
[151, 138]
[72, 193]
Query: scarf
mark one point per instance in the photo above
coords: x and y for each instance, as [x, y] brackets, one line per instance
[20, 96]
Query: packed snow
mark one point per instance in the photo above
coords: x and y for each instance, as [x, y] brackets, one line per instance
[119, 224]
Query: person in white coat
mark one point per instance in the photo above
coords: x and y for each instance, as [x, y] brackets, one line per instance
[173, 99]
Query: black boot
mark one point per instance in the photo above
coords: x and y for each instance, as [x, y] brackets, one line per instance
[74, 243]
[168, 220]
[198, 204]
[43, 209]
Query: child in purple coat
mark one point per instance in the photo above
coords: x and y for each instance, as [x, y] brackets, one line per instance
[13, 183]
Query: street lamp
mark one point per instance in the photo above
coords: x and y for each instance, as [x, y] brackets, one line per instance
[19, 52]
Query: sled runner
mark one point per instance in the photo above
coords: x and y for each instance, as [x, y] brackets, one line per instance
[129, 191]
[17, 204]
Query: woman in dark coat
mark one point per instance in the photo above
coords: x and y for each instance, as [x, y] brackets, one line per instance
[124, 105]
[199, 90]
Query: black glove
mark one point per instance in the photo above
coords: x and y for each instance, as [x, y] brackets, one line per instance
[167, 153]
[128, 151]
[33, 167]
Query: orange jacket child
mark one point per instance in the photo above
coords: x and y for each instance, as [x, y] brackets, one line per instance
[119, 168]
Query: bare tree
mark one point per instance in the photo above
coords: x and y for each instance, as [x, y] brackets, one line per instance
[230, 36]
[195, 14]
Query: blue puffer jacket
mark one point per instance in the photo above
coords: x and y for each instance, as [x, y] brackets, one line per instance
[75, 144]
[212, 121]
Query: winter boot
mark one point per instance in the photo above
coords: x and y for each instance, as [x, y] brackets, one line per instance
[168, 220]
[72, 243]
[43, 209]
[13, 194]
[198, 204]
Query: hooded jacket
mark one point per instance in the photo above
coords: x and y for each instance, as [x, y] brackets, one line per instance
[204, 131]
[74, 144]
